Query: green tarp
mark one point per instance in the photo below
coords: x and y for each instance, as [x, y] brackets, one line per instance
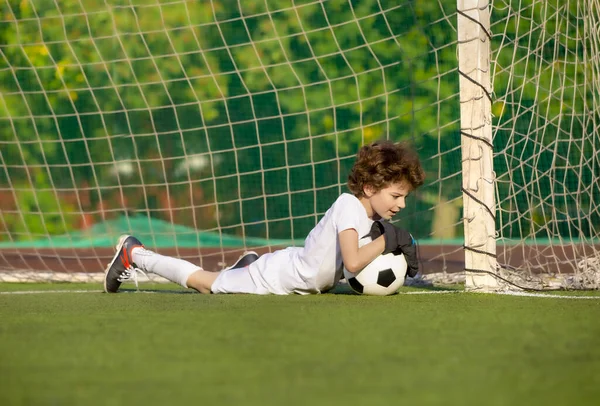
[152, 232]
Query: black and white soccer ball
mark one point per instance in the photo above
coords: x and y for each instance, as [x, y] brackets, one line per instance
[381, 277]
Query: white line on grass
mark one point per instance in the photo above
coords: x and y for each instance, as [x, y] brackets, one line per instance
[34, 292]
[546, 295]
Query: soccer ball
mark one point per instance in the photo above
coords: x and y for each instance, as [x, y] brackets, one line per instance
[381, 277]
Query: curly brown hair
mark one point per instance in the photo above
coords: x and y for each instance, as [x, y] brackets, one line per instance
[382, 163]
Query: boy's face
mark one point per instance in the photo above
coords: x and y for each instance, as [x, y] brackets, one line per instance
[386, 202]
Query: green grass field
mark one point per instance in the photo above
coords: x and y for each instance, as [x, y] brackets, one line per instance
[155, 347]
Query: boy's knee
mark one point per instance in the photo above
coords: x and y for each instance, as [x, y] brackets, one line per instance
[201, 280]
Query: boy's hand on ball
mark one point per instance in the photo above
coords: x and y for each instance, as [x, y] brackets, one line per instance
[397, 239]
[389, 233]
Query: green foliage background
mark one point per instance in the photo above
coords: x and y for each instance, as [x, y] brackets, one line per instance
[546, 81]
[246, 120]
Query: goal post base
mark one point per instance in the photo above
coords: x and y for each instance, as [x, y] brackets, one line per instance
[482, 282]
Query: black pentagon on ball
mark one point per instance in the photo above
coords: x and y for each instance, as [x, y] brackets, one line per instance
[356, 285]
[386, 277]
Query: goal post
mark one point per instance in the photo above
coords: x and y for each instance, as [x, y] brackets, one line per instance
[478, 183]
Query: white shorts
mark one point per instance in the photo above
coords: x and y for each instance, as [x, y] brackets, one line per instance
[271, 273]
[237, 281]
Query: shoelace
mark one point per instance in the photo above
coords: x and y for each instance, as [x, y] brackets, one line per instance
[131, 273]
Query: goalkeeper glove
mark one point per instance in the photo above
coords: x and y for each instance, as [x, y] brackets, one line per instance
[397, 239]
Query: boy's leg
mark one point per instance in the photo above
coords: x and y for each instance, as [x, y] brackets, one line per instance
[183, 272]
[204, 282]
[201, 280]
[132, 255]
[174, 269]
[237, 280]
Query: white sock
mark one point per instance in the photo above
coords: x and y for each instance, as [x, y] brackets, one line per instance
[174, 269]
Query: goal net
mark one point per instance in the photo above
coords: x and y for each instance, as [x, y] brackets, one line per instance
[546, 70]
[206, 128]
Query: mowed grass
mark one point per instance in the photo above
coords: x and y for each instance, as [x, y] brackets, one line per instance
[162, 346]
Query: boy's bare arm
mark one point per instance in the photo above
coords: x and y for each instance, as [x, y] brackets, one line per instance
[356, 258]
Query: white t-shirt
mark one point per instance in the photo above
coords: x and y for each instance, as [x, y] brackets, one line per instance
[316, 267]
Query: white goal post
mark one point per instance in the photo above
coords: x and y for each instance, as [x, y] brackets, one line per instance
[478, 181]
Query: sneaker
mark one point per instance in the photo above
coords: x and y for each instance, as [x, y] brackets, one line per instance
[122, 267]
[244, 260]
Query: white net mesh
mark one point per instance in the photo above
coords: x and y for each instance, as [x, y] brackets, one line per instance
[546, 69]
[205, 128]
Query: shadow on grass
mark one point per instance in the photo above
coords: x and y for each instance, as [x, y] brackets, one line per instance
[345, 289]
